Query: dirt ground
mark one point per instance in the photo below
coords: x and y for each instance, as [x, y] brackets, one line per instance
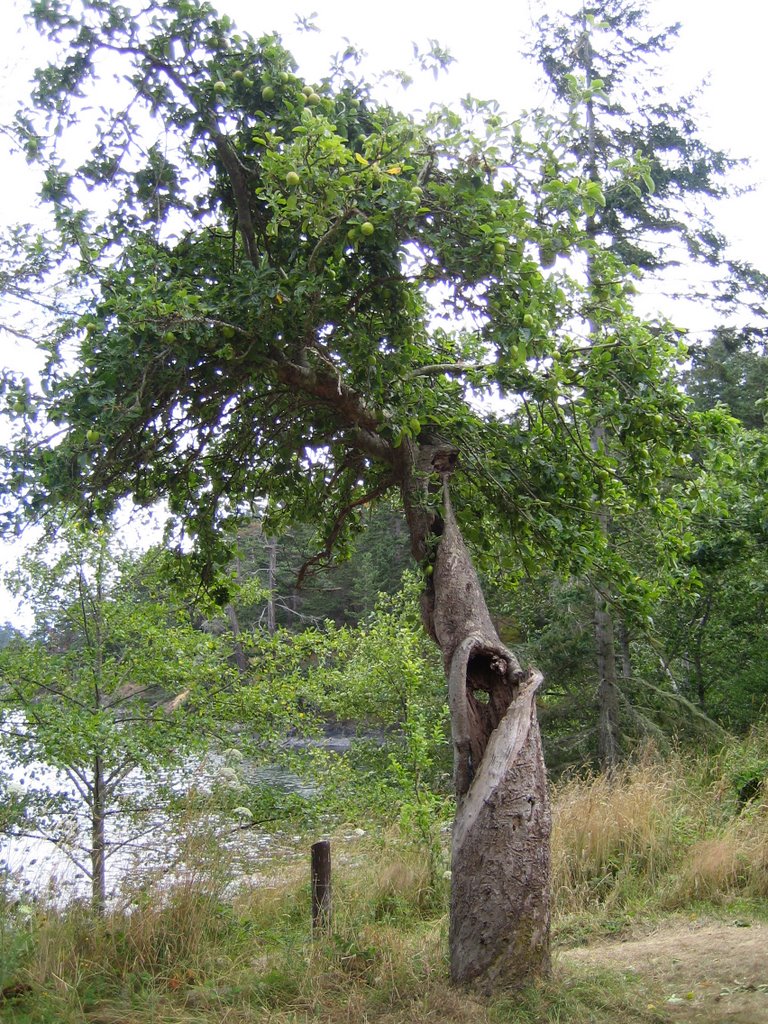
[704, 971]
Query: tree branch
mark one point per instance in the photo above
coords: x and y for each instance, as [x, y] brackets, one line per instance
[434, 369]
[338, 523]
[237, 177]
[330, 391]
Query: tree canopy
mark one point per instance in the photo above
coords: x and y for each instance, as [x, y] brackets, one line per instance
[276, 291]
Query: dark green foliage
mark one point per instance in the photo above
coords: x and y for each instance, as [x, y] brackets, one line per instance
[273, 303]
[606, 63]
[645, 222]
[731, 370]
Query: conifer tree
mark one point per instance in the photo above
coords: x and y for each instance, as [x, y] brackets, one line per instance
[605, 63]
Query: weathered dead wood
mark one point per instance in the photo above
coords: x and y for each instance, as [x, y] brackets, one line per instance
[321, 887]
[499, 925]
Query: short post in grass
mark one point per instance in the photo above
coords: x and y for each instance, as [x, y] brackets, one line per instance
[321, 887]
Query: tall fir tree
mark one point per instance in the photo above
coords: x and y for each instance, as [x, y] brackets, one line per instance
[604, 63]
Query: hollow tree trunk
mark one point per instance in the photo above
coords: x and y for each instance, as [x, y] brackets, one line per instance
[500, 900]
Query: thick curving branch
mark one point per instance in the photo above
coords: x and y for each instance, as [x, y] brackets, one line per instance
[324, 556]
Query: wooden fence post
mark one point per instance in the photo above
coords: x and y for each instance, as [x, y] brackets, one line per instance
[321, 887]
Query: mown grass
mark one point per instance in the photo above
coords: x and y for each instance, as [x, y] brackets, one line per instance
[663, 837]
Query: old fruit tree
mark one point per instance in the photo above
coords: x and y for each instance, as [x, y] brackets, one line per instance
[287, 298]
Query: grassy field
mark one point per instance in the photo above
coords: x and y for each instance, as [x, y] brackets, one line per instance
[667, 838]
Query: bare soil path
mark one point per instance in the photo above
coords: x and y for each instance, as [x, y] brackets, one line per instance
[704, 971]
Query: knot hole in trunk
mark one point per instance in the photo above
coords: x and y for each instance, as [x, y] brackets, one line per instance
[491, 687]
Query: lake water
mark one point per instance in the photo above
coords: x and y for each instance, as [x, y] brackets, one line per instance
[155, 845]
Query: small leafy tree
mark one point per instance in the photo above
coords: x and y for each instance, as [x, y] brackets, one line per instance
[112, 684]
[289, 296]
[380, 678]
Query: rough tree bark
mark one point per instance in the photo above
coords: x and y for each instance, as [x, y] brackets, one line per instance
[241, 658]
[608, 690]
[626, 653]
[500, 890]
[605, 651]
[98, 853]
[271, 585]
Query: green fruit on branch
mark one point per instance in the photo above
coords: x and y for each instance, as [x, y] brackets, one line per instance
[267, 93]
[547, 256]
[292, 179]
[219, 87]
[366, 228]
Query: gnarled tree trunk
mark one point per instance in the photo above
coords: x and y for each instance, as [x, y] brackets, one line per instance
[499, 924]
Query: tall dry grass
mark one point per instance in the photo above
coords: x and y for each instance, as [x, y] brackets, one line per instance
[662, 833]
[608, 834]
[734, 863]
[199, 952]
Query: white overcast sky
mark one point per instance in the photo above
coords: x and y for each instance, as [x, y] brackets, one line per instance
[724, 44]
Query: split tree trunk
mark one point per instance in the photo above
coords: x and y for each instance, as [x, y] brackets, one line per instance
[500, 898]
